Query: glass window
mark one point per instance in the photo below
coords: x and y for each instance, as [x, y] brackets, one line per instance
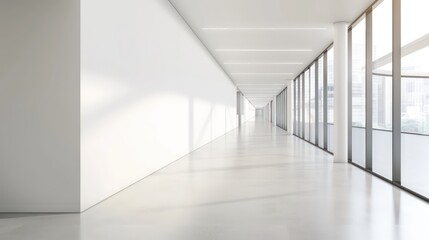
[301, 107]
[312, 103]
[294, 107]
[382, 89]
[307, 104]
[320, 90]
[415, 95]
[330, 103]
[330, 87]
[358, 73]
[358, 92]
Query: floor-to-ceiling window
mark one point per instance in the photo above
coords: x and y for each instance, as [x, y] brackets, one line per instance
[307, 104]
[298, 106]
[330, 100]
[312, 103]
[320, 100]
[302, 97]
[389, 87]
[281, 110]
[358, 92]
[415, 95]
[295, 104]
[382, 89]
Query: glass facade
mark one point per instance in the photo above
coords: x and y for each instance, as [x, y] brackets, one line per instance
[307, 105]
[415, 95]
[311, 101]
[381, 74]
[281, 116]
[312, 104]
[382, 89]
[358, 91]
[320, 102]
[330, 99]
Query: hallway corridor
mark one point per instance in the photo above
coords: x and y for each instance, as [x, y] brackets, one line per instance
[254, 183]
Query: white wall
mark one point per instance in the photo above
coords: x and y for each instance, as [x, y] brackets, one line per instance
[151, 93]
[267, 112]
[249, 111]
[39, 106]
[95, 96]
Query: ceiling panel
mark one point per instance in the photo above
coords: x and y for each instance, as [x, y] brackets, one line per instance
[263, 44]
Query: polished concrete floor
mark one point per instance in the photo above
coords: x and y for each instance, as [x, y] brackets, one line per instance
[254, 183]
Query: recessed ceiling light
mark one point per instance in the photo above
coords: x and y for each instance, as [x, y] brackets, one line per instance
[263, 28]
[261, 50]
[263, 63]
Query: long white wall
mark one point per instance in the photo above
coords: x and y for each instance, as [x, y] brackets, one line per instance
[95, 95]
[151, 93]
[249, 111]
[39, 106]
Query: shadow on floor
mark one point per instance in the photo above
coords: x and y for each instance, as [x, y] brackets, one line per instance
[248, 167]
[232, 201]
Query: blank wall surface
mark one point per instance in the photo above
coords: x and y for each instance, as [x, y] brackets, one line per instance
[151, 93]
[39, 106]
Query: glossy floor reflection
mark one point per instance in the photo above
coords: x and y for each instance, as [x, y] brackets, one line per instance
[254, 183]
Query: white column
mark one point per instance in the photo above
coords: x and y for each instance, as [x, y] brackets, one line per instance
[340, 92]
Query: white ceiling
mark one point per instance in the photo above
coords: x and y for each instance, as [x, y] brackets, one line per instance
[262, 44]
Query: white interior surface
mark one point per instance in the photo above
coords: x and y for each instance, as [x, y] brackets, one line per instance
[415, 164]
[321, 137]
[330, 136]
[262, 25]
[151, 93]
[39, 106]
[382, 153]
[358, 146]
[254, 183]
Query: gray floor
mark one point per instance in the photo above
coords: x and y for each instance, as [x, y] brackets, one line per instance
[254, 183]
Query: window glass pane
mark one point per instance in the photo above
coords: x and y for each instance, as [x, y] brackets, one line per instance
[312, 103]
[294, 107]
[330, 103]
[307, 105]
[358, 73]
[358, 92]
[330, 87]
[285, 110]
[415, 95]
[320, 89]
[301, 107]
[382, 102]
[382, 89]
